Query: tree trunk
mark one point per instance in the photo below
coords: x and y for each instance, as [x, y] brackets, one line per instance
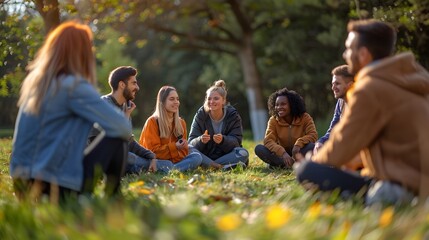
[257, 108]
[50, 13]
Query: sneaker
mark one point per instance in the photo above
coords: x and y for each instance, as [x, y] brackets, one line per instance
[233, 165]
[386, 192]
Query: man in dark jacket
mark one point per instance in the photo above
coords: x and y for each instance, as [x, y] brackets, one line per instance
[124, 85]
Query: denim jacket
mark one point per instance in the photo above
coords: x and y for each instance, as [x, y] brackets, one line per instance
[339, 109]
[49, 146]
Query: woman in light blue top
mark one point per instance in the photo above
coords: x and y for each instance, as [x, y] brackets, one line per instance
[58, 106]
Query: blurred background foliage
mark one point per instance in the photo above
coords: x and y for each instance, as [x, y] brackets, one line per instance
[191, 43]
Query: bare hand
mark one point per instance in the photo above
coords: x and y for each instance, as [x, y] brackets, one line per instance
[182, 144]
[288, 160]
[205, 138]
[215, 165]
[152, 166]
[130, 109]
[317, 146]
[217, 138]
[295, 150]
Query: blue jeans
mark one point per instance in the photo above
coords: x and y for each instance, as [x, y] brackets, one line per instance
[136, 164]
[190, 162]
[238, 154]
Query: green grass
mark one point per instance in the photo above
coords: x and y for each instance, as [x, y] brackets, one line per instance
[255, 203]
[6, 132]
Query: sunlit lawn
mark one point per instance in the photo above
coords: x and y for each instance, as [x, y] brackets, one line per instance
[255, 203]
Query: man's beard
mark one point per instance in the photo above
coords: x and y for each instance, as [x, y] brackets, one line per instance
[128, 95]
[355, 67]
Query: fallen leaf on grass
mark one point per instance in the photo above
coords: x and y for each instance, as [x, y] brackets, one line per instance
[145, 191]
[167, 180]
[135, 184]
[217, 198]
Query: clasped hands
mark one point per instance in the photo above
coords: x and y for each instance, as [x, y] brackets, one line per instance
[217, 138]
[296, 156]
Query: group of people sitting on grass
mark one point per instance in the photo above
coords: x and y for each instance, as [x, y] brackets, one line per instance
[377, 143]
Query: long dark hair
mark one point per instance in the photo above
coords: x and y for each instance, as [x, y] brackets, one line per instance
[296, 103]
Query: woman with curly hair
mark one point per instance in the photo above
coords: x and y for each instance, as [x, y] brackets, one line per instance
[290, 130]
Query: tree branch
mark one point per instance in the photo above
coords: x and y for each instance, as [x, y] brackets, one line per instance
[207, 39]
[205, 48]
[218, 26]
[241, 18]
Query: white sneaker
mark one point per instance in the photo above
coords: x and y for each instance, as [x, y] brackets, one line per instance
[233, 165]
[388, 193]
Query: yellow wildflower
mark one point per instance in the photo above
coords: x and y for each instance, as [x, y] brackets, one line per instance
[122, 40]
[342, 234]
[277, 216]
[386, 216]
[228, 222]
[314, 210]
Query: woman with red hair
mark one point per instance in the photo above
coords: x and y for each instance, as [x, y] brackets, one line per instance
[58, 105]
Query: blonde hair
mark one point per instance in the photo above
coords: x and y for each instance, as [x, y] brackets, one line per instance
[220, 87]
[66, 50]
[162, 117]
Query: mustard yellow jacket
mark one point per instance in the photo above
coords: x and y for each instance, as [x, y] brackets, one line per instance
[281, 136]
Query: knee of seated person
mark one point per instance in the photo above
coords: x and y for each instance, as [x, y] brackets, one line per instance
[197, 156]
[131, 158]
[307, 148]
[241, 152]
[259, 148]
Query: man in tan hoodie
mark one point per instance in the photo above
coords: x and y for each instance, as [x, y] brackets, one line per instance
[386, 122]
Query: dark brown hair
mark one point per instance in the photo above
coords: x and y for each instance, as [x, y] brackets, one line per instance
[343, 71]
[378, 37]
[121, 74]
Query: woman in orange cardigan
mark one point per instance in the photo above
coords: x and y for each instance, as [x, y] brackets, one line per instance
[164, 133]
[290, 130]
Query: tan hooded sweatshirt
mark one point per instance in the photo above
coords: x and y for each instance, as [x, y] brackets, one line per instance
[280, 136]
[387, 121]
